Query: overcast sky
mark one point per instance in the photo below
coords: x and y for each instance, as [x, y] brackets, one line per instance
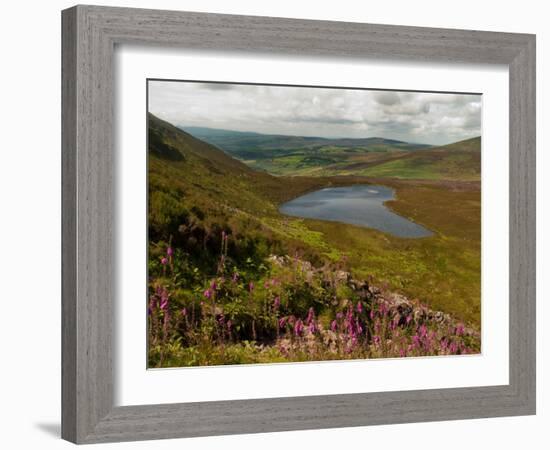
[408, 116]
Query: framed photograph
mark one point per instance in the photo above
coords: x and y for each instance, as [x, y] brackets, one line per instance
[278, 224]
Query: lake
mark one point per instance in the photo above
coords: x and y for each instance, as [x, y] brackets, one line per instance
[361, 205]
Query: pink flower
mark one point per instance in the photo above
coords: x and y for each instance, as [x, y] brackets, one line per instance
[169, 251]
[460, 329]
[371, 314]
[402, 353]
[163, 261]
[213, 285]
[333, 325]
[311, 327]
[282, 322]
[310, 315]
[359, 307]
[423, 331]
[408, 319]
[207, 293]
[276, 303]
[376, 339]
[298, 327]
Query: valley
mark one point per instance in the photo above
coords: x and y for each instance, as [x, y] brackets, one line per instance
[215, 227]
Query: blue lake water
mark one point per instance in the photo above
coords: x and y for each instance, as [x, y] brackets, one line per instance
[361, 205]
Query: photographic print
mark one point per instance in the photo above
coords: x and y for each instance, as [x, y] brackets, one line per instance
[296, 223]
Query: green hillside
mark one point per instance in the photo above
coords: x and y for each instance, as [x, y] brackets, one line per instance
[457, 161]
[219, 219]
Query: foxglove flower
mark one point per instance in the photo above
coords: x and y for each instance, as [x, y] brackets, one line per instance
[298, 327]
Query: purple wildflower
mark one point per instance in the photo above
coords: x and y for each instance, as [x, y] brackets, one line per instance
[423, 331]
[359, 307]
[310, 315]
[163, 260]
[164, 300]
[298, 327]
[207, 293]
[333, 325]
[169, 251]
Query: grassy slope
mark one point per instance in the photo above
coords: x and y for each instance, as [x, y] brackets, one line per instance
[443, 270]
[457, 161]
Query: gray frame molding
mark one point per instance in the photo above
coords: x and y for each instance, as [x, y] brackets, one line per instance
[89, 36]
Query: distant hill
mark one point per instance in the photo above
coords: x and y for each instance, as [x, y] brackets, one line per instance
[250, 145]
[299, 155]
[457, 161]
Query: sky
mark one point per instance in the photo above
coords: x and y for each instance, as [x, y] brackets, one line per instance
[427, 118]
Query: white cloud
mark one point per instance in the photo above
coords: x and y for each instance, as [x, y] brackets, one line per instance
[432, 118]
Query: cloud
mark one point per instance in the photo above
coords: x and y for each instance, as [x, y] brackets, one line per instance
[387, 98]
[432, 118]
[217, 86]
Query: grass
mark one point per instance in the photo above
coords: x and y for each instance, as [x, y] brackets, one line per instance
[197, 194]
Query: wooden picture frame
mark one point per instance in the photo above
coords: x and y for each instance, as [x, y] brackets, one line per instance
[90, 34]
